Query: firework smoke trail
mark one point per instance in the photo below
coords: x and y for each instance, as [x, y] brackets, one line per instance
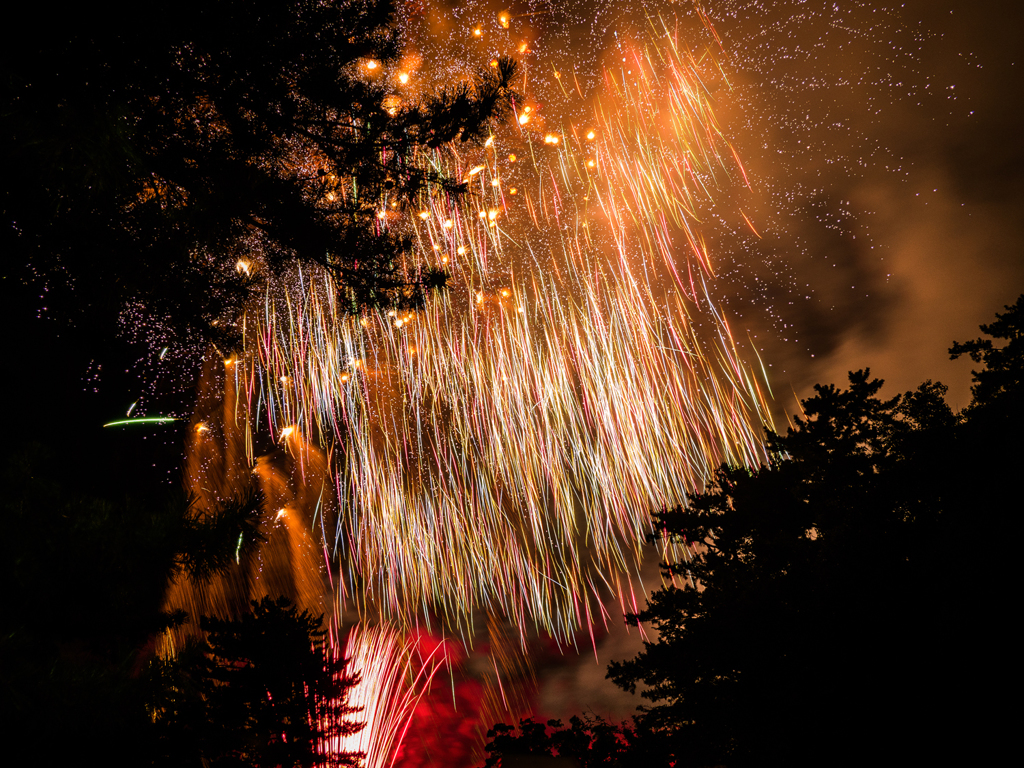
[503, 448]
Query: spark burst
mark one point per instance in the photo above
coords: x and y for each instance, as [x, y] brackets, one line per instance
[503, 449]
[394, 675]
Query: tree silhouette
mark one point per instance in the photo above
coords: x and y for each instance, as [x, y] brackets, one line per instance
[832, 612]
[262, 690]
[85, 580]
[1003, 374]
[144, 155]
[587, 741]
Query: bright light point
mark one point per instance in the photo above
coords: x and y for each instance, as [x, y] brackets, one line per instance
[229, 362]
[558, 75]
[526, 109]
[494, 181]
[242, 266]
[590, 135]
[590, 163]
[522, 309]
[403, 78]
[201, 427]
[462, 250]
[424, 215]
[512, 158]
[483, 214]
[284, 379]
[448, 224]
[489, 142]
[280, 513]
[504, 292]
[503, 19]
[478, 31]
[391, 313]
[479, 297]
[551, 139]
[522, 48]
[524, 119]
[371, 64]
[286, 432]
[382, 214]
[513, 191]
[476, 170]
[444, 260]
[492, 214]
[494, 62]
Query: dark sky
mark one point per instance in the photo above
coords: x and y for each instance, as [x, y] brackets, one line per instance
[904, 182]
[889, 174]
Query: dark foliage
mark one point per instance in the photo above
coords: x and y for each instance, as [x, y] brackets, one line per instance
[144, 153]
[262, 690]
[85, 580]
[587, 741]
[1003, 374]
[850, 600]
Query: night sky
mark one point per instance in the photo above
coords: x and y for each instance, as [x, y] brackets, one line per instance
[883, 144]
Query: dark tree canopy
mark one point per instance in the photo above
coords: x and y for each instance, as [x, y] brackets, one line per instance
[1003, 374]
[588, 742]
[145, 153]
[850, 596]
[85, 580]
[262, 690]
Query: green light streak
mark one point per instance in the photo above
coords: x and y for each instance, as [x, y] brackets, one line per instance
[142, 420]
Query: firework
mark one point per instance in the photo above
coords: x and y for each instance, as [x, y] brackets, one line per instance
[395, 671]
[503, 448]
